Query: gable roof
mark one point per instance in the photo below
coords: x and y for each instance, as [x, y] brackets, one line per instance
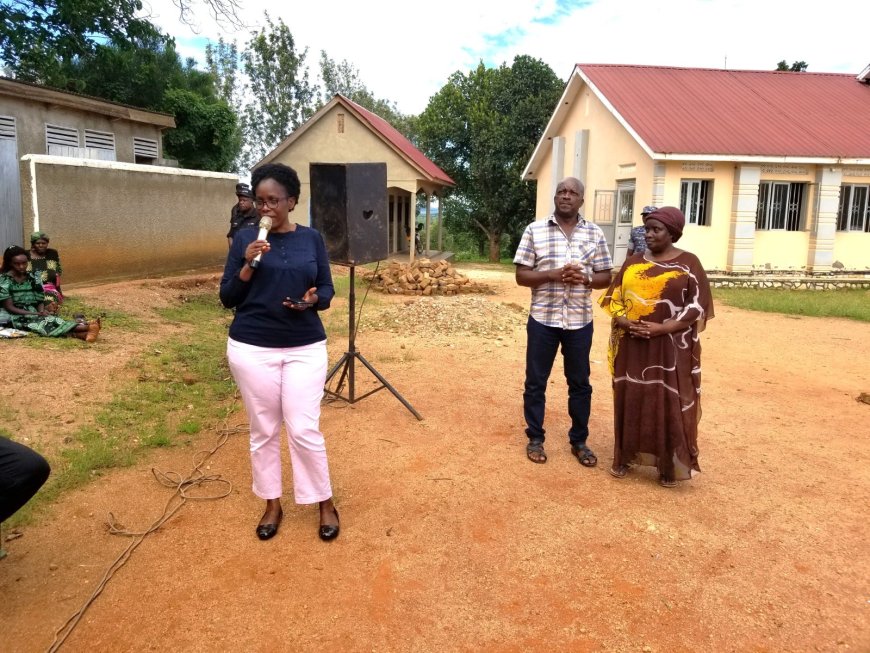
[381, 128]
[695, 113]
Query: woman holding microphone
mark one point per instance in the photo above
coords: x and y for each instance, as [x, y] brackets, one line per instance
[277, 346]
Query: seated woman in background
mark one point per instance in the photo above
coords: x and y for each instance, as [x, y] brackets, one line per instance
[23, 297]
[45, 263]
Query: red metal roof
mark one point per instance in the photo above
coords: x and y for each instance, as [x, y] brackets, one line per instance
[406, 147]
[738, 112]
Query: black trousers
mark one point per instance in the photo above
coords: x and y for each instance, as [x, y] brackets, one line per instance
[22, 473]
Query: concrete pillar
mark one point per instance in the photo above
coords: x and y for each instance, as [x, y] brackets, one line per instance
[428, 223]
[744, 207]
[558, 167]
[581, 155]
[820, 254]
[391, 210]
[658, 184]
[440, 222]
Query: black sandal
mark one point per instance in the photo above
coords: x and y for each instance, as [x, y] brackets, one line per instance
[535, 452]
[585, 455]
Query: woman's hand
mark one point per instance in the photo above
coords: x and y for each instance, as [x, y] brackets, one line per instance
[647, 330]
[255, 249]
[309, 299]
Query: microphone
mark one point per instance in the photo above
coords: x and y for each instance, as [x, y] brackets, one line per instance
[265, 225]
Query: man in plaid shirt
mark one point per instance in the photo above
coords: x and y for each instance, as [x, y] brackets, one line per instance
[561, 259]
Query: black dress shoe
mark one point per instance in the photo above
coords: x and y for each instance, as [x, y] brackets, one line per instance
[328, 531]
[268, 531]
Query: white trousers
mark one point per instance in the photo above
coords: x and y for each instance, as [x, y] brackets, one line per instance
[284, 384]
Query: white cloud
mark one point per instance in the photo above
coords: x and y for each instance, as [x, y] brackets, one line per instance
[405, 51]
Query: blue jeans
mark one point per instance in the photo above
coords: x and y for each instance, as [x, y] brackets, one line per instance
[542, 345]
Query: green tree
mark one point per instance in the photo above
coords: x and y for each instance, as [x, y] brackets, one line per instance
[136, 72]
[207, 134]
[281, 97]
[481, 128]
[222, 61]
[38, 36]
[148, 72]
[796, 67]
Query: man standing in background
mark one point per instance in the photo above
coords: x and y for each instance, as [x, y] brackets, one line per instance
[243, 214]
[637, 237]
[561, 259]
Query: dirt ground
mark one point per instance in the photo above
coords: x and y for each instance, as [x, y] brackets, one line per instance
[450, 539]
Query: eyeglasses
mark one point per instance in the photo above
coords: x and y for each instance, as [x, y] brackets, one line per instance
[272, 202]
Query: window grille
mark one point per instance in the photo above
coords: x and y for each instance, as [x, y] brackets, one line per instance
[854, 213]
[144, 148]
[780, 206]
[64, 137]
[7, 128]
[693, 200]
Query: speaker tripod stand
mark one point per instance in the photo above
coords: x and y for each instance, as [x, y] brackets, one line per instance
[347, 363]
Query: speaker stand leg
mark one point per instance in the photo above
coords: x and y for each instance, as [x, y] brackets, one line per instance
[348, 368]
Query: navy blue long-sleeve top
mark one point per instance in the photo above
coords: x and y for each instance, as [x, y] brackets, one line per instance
[296, 262]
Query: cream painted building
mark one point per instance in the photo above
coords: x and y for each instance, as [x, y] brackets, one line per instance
[344, 132]
[91, 174]
[772, 169]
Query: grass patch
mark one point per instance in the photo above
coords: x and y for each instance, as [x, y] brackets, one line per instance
[335, 319]
[177, 388]
[851, 304]
[111, 319]
[178, 385]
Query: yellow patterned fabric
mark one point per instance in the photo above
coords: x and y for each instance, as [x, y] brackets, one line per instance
[657, 382]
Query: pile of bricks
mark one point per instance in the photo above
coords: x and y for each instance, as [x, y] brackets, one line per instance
[423, 277]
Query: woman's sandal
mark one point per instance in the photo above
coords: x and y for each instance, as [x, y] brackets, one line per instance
[585, 455]
[619, 472]
[664, 482]
[535, 452]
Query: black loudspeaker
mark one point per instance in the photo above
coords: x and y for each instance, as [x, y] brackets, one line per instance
[349, 207]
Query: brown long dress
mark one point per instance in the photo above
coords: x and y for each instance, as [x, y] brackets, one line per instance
[657, 382]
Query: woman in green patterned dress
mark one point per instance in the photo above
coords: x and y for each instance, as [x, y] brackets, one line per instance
[23, 297]
[45, 262]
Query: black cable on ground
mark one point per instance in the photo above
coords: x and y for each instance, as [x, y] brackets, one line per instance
[184, 491]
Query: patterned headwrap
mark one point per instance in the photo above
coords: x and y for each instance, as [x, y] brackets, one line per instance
[38, 235]
[671, 217]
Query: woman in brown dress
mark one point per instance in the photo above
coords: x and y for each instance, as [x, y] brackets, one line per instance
[660, 301]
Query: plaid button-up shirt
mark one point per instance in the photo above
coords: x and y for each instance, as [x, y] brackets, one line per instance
[544, 246]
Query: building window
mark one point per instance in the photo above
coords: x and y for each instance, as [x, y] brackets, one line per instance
[144, 151]
[340, 123]
[854, 213]
[100, 145]
[61, 141]
[7, 128]
[780, 206]
[693, 201]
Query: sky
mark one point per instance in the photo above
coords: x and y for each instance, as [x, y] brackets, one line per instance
[405, 51]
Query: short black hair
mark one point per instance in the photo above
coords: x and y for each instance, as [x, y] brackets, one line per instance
[283, 174]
